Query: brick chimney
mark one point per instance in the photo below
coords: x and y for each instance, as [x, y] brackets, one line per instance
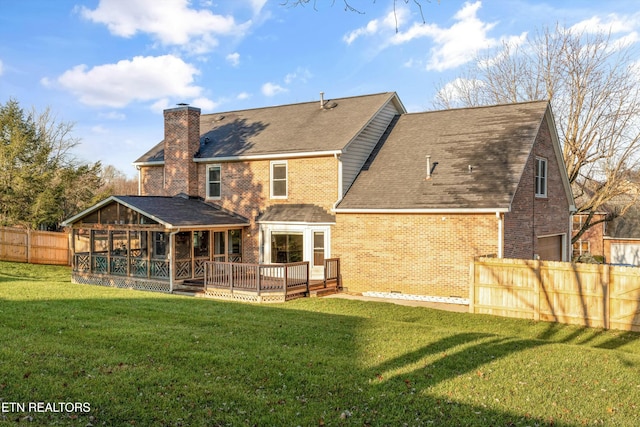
[181, 142]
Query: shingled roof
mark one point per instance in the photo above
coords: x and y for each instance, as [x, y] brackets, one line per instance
[477, 156]
[306, 213]
[285, 129]
[172, 212]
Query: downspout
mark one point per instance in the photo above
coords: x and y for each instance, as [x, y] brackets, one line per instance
[500, 218]
[339, 160]
[171, 259]
[139, 180]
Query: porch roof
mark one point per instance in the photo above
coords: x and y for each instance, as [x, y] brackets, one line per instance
[171, 212]
[306, 213]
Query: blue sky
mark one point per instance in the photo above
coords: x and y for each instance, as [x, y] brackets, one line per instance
[112, 66]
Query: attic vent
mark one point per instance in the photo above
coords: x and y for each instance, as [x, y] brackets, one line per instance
[326, 105]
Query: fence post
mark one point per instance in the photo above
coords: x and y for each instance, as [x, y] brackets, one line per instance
[28, 248]
[606, 296]
[258, 279]
[472, 286]
[537, 285]
[285, 277]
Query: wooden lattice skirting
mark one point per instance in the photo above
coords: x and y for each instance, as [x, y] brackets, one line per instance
[225, 294]
[120, 282]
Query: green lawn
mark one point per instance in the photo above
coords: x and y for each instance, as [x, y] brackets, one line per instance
[143, 359]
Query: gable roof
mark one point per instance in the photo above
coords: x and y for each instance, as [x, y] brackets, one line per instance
[477, 157]
[172, 212]
[292, 129]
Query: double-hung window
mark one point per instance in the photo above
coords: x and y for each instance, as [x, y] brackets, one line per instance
[279, 180]
[214, 182]
[541, 177]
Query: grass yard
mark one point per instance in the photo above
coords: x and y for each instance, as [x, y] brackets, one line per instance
[147, 359]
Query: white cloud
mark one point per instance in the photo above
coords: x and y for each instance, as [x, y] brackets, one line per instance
[301, 74]
[204, 104]
[272, 89]
[375, 26]
[171, 22]
[452, 46]
[140, 79]
[160, 105]
[233, 59]
[243, 95]
[257, 5]
[112, 115]
[613, 23]
[99, 129]
[457, 44]
[455, 90]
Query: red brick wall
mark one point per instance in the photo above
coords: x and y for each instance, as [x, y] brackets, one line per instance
[531, 216]
[418, 254]
[595, 236]
[181, 142]
[151, 181]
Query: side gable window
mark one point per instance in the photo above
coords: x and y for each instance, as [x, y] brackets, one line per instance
[279, 179]
[214, 182]
[541, 177]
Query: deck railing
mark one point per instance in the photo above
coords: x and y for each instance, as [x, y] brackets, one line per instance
[280, 278]
[332, 272]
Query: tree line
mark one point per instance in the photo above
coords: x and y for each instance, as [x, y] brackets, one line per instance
[41, 182]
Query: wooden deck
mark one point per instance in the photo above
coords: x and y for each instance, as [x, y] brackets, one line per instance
[263, 282]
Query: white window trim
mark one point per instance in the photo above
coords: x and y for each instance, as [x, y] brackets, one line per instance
[286, 181]
[545, 181]
[209, 196]
[307, 230]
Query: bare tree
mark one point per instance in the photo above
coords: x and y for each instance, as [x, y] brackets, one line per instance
[594, 92]
[348, 6]
[115, 182]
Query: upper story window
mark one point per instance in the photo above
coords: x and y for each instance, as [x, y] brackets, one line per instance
[541, 177]
[214, 182]
[279, 179]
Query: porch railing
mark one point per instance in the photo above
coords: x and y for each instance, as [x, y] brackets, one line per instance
[332, 272]
[259, 278]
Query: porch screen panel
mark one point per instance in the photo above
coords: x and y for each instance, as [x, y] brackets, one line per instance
[201, 244]
[160, 241]
[159, 264]
[219, 245]
[183, 255]
[100, 251]
[183, 245]
[286, 247]
[81, 249]
[139, 252]
[235, 245]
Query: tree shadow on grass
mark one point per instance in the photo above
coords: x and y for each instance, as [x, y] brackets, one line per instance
[162, 360]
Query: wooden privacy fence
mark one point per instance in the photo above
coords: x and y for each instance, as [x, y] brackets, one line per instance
[594, 295]
[35, 247]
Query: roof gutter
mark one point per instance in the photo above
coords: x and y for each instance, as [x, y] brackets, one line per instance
[275, 156]
[425, 211]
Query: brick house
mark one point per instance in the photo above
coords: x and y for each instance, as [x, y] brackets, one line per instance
[614, 242]
[406, 201]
